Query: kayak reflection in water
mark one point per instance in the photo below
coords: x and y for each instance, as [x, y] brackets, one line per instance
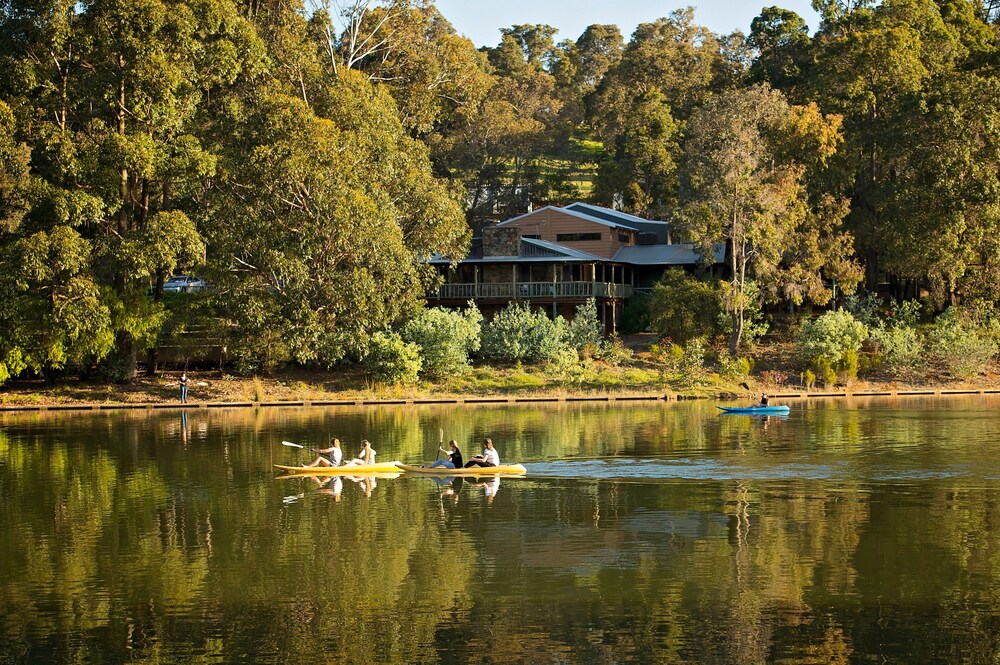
[453, 486]
[367, 484]
[330, 485]
[490, 456]
[490, 488]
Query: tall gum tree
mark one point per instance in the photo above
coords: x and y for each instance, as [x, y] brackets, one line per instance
[868, 63]
[322, 213]
[743, 183]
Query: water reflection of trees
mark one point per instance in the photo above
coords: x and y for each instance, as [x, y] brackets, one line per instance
[122, 544]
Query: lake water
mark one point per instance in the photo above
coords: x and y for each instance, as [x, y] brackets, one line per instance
[862, 531]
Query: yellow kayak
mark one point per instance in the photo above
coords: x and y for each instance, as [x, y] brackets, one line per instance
[346, 470]
[502, 470]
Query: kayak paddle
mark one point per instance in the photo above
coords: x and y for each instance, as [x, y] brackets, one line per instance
[295, 445]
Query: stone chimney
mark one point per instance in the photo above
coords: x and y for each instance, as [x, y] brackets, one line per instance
[501, 241]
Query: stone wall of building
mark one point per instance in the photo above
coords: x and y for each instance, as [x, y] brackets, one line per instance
[501, 241]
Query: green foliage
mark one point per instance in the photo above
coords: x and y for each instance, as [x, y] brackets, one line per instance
[864, 307]
[585, 330]
[636, 314]
[683, 307]
[670, 355]
[391, 360]
[847, 367]
[755, 325]
[733, 368]
[52, 311]
[825, 371]
[520, 334]
[744, 184]
[831, 336]
[959, 346]
[445, 338]
[900, 347]
[615, 353]
[809, 378]
[693, 360]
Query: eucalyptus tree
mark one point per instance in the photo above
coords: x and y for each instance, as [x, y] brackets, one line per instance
[322, 210]
[673, 55]
[912, 79]
[743, 183]
[640, 174]
[782, 46]
[411, 48]
[106, 94]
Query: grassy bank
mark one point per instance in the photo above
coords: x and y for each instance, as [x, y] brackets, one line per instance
[643, 373]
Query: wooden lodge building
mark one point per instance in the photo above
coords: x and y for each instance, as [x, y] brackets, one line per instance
[557, 258]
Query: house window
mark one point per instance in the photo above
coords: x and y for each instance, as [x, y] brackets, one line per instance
[577, 237]
[623, 237]
[532, 236]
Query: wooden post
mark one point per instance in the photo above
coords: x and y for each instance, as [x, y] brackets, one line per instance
[555, 285]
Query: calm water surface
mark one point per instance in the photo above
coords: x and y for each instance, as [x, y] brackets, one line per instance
[849, 532]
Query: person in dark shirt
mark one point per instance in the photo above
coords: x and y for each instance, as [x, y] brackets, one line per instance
[454, 460]
[184, 387]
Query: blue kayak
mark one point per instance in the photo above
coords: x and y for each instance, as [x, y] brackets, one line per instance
[754, 409]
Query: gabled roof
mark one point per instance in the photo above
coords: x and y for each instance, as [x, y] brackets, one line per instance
[636, 223]
[573, 213]
[681, 254]
[567, 252]
[531, 250]
[609, 214]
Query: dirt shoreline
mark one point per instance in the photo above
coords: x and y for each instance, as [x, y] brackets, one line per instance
[210, 390]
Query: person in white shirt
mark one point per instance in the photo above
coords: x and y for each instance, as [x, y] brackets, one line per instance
[490, 456]
[367, 454]
[331, 456]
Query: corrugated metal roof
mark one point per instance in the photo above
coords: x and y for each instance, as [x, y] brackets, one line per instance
[569, 252]
[637, 223]
[573, 213]
[554, 252]
[681, 254]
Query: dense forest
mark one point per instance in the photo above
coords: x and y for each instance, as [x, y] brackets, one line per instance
[306, 158]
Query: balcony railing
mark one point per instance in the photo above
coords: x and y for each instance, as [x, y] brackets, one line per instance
[513, 291]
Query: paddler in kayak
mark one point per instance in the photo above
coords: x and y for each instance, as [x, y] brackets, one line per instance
[331, 456]
[490, 456]
[454, 460]
[366, 456]
[763, 400]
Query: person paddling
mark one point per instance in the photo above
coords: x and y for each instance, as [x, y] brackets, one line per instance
[490, 456]
[763, 400]
[454, 460]
[331, 456]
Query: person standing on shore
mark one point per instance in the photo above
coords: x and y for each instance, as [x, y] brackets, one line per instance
[184, 387]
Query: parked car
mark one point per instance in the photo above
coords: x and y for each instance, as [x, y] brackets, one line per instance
[183, 284]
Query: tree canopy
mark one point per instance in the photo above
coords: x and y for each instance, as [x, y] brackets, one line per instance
[307, 158]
